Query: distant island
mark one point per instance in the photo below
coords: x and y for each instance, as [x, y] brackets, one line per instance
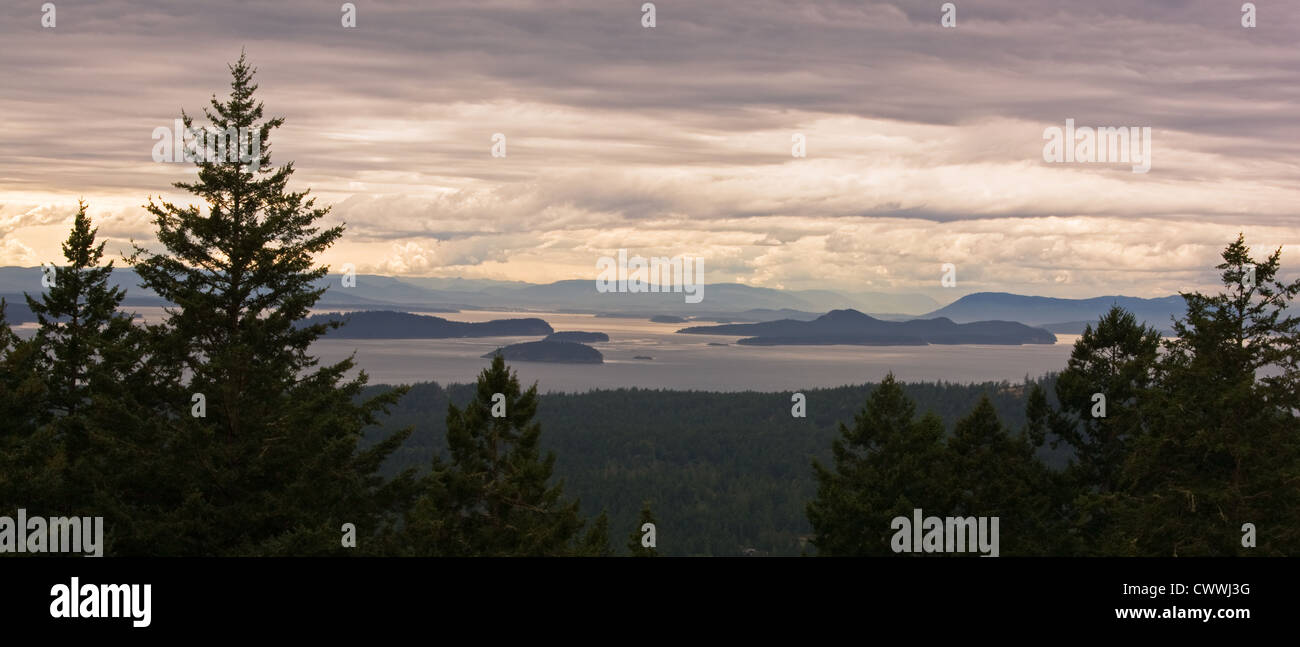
[668, 319]
[386, 324]
[642, 357]
[563, 352]
[577, 336]
[855, 328]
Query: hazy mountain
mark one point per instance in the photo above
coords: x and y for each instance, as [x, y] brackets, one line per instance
[853, 327]
[459, 284]
[375, 290]
[722, 301]
[581, 295]
[762, 314]
[1061, 314]
[14, 281]
[882, 302]
[452, 294]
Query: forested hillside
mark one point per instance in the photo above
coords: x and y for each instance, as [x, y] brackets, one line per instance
[724, 472]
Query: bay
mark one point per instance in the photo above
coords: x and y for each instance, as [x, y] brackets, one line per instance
[679, 362]
[688, 362]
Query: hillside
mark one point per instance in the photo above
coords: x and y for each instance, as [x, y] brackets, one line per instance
[730, 470]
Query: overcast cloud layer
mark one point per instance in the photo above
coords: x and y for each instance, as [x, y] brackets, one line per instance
[924, 144]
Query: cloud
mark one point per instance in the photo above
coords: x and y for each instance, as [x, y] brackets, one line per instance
[14, 252]
[924, 144]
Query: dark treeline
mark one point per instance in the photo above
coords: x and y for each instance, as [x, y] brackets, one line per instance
[1179, 447]
[216, 432]
[725, 472]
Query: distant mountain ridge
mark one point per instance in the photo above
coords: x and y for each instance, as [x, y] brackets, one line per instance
[1058, 313]
[726, 301]
[853, 327]
[372, 291]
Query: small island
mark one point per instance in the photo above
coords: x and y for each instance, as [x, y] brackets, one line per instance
[642, 357]
[668, 319]
[577, 336]
[562, 352]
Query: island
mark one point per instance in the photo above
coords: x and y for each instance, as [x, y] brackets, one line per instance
[563, 352]
[851, 327]
[386, 324]
[577, 336]
[642, 357]
[668, 319]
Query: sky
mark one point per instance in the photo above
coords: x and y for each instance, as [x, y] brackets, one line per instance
[924, 144]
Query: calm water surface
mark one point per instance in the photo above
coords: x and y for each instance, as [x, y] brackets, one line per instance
[680, 362]
[685, 362]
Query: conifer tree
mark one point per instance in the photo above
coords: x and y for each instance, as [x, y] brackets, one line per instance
[493, 497]
[1224, 446]
[595, 543]
[273, 465]
[1117, 360]
[996, 474]
[80, 327]
[885, 466]
[635, 541]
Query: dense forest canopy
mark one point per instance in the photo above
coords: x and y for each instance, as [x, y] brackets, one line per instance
[725, 472]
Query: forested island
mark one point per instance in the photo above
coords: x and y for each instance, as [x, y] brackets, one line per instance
[564, 352]
[386, 324]
[856, 328]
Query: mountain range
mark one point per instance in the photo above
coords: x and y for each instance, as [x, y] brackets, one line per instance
[1058, 315]
[723, 302]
